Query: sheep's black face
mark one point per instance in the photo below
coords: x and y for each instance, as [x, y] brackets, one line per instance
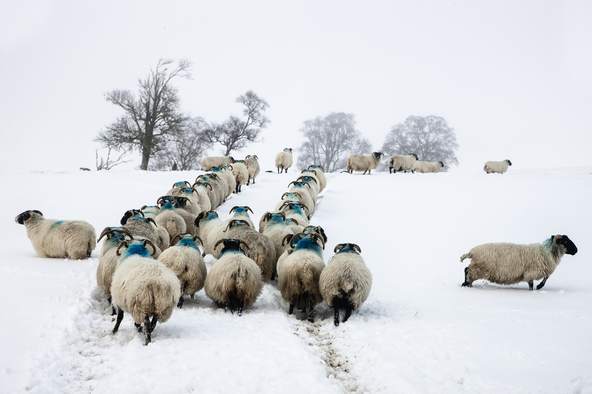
[509, 162]
[570, 247]
[25, 216]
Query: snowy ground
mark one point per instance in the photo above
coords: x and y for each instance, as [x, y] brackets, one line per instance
[418, 332]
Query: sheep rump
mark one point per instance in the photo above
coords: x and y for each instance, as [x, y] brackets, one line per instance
[427, 166]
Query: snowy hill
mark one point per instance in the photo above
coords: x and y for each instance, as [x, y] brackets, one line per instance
[418, 332]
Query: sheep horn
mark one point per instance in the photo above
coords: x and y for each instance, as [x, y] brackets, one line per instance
[249, 209]
[148, 242]
[176, 239]
[106, 231]
[356, 247]
[118, 251]
[287, 239]
[294, 220]
[338, 247]
[233, 209]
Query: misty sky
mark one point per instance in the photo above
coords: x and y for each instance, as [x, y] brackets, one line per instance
[512, 78]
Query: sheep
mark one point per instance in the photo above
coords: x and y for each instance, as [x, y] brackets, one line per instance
[363, 163]
[426, 166]
[192, 206]
[346, 281]
[108, 257]
[319, 171]
[215, 161]
[169, 218]
[276, 230]
[241, 174]
[299, 272]
[284, 160]
[242, 212]
[295, 211]
[210, 229]
[176, 187]
[252, 163]
[402, 163]
[74, 239]
[185, 259]
[180, 204]
[296, 197]
[224, 177]
[143, 287]
[314, 185]
[491, 167]
[215, 194]
[134, 221]
[203, 199]
[307, 196]
[260, 248]
[234, 281]
[227, 171]
[150, 211]
[508, 263]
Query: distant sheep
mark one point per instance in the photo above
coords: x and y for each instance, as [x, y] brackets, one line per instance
[320, 173]
[491, 167]
[234, 281]
[143, 287]
[241, 174]
[74, 239]
[215, 161]
[252, 163]
[363, 163]
[402, 163]
[284, 160]
[169, 218]
[507, 263]
[426, 166]
[346, 281]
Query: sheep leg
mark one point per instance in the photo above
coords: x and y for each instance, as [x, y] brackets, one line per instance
[540, 286]
[468, 280]
[139, 327]
[291, 310]
[530, 285]
[241, 306]
[147, 332]
[348, 311]
[113, 311]
[180, 303]
[336, 313]
[311, 310]
[119, 319]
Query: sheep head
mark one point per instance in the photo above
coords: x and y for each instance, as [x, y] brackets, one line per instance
[232, 244]
[24, 217]
[111, 231]
[244, 207]
[563, 241]
[130, 214]
[347, 247]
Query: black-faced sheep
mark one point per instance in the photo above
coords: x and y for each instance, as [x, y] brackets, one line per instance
[363, 163]
[346, 281]
[74, 239]
[234, 281]
[508, 263]
[402, 163]
[186, 261]
[428, 166]
[491, 167]
[143, 287]
[299, 272]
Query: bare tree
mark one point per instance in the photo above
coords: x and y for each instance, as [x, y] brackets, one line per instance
[430, 138]
[185, 151]
[107, 164]
[152, 118]
[330, 140]
[235, 133]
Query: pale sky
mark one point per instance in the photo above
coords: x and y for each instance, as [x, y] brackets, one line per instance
[512, 78]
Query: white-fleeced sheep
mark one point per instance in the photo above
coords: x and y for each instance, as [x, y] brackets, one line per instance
[143, 287]
[215, 193]
[346, 281]
[169, 218]
[203, 199]
[108, 257]
[241, 174]
[241, 212]
[428, 166]
[296, 197]
[508, 263]
[284, 160]
[210, 229]
[186, 261]
[319, 171]
[295, 211]
[134, 221]
[150, 211]
[276, 229]
[215, 161]
[74, 239]
[260, 248]
[363, 163]
[402, 163]
[252, 163]
[491, 167]
[234, 281]
[299, 272]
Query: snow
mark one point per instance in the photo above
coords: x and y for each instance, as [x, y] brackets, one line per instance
[418, 332]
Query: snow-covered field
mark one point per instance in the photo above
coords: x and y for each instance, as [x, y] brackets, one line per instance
[418, 332]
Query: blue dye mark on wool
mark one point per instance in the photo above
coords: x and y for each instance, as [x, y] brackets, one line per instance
[59, 222]
[187, 241]
[137, 248]
[309, 244]
[347, 249]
